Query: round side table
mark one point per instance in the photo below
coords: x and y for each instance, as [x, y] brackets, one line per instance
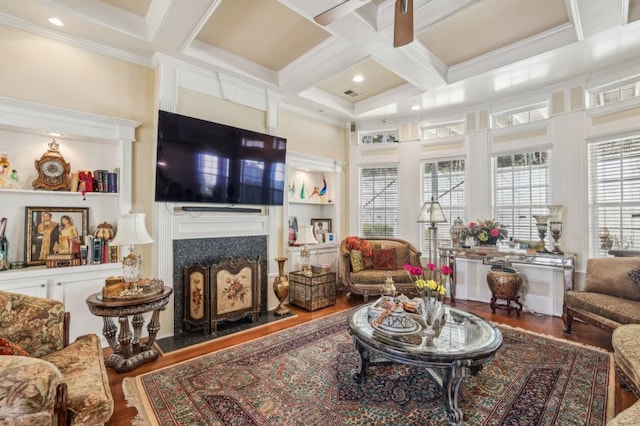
[128, 352]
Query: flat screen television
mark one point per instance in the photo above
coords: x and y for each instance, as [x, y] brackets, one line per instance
[205, 162]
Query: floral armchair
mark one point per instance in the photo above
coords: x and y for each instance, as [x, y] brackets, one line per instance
[44, 380]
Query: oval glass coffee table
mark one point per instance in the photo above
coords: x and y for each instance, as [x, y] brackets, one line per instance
[461, 346]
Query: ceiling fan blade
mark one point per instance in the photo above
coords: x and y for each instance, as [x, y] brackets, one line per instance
[338, 11]
[403, 23]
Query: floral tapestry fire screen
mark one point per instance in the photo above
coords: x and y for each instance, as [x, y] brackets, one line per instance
[225, 291]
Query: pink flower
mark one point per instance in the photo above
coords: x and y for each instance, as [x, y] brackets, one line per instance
[431, 266]
[494, 232]
[416, 270]
[446, 270]
[407, 267]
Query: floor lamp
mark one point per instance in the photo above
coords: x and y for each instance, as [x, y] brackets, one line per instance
[432, 213]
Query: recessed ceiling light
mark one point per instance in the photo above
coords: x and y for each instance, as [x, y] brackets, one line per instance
[357, 78]
[54, 134]
[56, 21]
[415, 107]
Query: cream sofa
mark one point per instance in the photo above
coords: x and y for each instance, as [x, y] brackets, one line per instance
[610, 297]
[359, 273]
[44, 380]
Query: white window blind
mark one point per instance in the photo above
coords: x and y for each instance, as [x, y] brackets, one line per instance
[614, 194]
[379, 201]
[444, 181]
[521, 189]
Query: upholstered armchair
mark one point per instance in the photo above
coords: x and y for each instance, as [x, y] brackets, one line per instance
[44, 380]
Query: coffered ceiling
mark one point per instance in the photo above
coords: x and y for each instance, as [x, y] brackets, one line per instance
[464, 52]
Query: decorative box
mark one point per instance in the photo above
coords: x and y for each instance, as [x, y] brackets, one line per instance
[320, 268]
[314, 291]
[61, 260]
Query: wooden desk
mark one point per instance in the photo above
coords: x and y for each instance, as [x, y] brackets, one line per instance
[128, 352]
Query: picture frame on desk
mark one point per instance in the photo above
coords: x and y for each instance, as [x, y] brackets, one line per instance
[54, 230]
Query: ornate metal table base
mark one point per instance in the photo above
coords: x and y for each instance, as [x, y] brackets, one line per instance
[449, 378]
[465, 343]
[128, 352]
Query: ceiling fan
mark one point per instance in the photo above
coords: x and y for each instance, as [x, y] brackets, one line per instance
[403, 18]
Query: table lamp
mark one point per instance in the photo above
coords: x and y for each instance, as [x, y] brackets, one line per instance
[305, 237]
[432, 213]
[131, 231]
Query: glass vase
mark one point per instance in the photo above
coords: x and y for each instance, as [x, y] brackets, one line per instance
[431, 310]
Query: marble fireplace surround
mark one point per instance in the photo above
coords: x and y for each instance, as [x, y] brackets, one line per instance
[208, 251]
[207, 237]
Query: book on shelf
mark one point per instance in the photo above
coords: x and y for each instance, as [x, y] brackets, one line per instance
[88, 242]
[84, 254]
[112, 182]
[97, 250]
[101, 178]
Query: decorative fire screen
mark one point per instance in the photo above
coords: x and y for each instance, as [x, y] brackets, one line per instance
[226, 291]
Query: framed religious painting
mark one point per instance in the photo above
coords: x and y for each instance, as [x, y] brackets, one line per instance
[54, 230]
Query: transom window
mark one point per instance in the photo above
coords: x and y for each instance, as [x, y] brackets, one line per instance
[443, 130]
[378, 137]
[444, 181]
[379, 201]
[614, 195]
[615, 94]
[521, 190]
[521, 116]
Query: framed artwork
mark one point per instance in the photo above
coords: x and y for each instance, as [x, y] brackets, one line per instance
[53, 230]
[321, 227]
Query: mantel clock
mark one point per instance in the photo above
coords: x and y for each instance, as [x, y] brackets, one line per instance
[53, 170]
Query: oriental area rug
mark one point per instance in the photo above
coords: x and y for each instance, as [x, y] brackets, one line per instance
[302, 376]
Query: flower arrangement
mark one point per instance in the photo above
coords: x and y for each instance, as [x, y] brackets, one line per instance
[429, 288]
[483, 230]
[236, 290]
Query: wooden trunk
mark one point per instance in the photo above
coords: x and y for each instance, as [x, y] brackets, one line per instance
[314, 291]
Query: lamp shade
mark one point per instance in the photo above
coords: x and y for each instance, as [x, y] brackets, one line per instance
[305, 236]
[131, 231]
[432, 213]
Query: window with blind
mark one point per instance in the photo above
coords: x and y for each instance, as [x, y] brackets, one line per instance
[379, 201]
[444, 181]
[521, 189]
[614, 195]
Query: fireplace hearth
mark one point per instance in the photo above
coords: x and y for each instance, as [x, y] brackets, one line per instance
[208, 251]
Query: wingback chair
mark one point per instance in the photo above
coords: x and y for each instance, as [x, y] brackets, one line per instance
[44, 380]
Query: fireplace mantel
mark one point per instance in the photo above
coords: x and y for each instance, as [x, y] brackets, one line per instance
[241, 234]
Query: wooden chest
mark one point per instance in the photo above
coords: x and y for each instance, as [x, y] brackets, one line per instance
[314, 291]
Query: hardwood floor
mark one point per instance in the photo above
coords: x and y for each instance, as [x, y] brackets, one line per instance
[544, 324]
